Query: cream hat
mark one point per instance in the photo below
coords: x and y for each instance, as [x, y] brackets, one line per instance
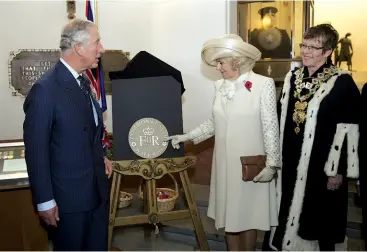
[229, 45]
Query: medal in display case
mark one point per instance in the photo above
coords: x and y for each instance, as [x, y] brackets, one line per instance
[13, 169]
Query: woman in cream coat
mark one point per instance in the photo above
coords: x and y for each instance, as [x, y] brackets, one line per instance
[244, 122]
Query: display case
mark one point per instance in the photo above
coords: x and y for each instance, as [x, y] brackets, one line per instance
[13, 168]
[20, 226]
[276, 28]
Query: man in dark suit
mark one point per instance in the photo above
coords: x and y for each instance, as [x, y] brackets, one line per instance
[63, 129]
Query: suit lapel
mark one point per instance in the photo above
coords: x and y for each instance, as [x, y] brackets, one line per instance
[69, 84]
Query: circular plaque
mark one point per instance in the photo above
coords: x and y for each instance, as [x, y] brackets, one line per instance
[147, 138]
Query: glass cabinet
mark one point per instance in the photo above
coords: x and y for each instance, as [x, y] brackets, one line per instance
[20, 224]
[13, 168]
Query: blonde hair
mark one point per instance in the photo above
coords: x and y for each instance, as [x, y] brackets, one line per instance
[242, 64]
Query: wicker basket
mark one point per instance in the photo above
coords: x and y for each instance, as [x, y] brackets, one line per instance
[125, 199]
[165, 205]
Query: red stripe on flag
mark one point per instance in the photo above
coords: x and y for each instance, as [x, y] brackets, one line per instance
[86, 8]
[94, 83]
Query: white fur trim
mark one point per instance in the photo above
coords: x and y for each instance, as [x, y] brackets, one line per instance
[353, 160]
[342, 246]
[351, 131]
[291, 239]
[284, 101]
[284, 98]
[332, 164]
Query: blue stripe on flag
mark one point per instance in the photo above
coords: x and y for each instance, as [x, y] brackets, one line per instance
[89, 12]
[102, 88]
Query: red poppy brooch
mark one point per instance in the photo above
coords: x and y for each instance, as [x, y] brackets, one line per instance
[248, 85]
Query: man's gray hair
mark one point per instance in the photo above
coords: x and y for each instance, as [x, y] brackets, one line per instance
[76, 31]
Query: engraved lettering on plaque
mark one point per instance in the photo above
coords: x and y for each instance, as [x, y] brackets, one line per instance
[27, 66]
[147, 138]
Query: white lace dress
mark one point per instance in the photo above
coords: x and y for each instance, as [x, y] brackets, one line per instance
[244, 123]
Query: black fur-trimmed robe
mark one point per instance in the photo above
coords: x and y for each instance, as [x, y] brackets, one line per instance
[326, 146]
[363, 161]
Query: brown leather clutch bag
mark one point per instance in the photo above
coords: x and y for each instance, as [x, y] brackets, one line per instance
[252, 166]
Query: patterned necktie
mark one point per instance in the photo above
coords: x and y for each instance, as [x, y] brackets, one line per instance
[85, 86]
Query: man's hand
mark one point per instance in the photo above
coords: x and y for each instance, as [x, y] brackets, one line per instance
[50, 217]
[334, 182]
[108, 166]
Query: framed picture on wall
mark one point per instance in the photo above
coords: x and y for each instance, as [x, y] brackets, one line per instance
[276, 28]
[312, 14]
[268, 26]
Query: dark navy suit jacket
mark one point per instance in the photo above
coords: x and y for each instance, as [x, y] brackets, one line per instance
[63, 147]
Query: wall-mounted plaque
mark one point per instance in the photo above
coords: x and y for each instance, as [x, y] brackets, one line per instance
[27, 66]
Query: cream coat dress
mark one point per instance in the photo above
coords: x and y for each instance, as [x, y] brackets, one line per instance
[244, 123]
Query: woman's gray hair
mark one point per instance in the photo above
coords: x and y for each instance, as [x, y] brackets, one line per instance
[73, 33]
[242, 64]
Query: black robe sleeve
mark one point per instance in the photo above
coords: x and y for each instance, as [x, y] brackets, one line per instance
[343, 156]
[362, 149]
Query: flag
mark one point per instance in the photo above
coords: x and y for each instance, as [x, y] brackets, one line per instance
[95, 76]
